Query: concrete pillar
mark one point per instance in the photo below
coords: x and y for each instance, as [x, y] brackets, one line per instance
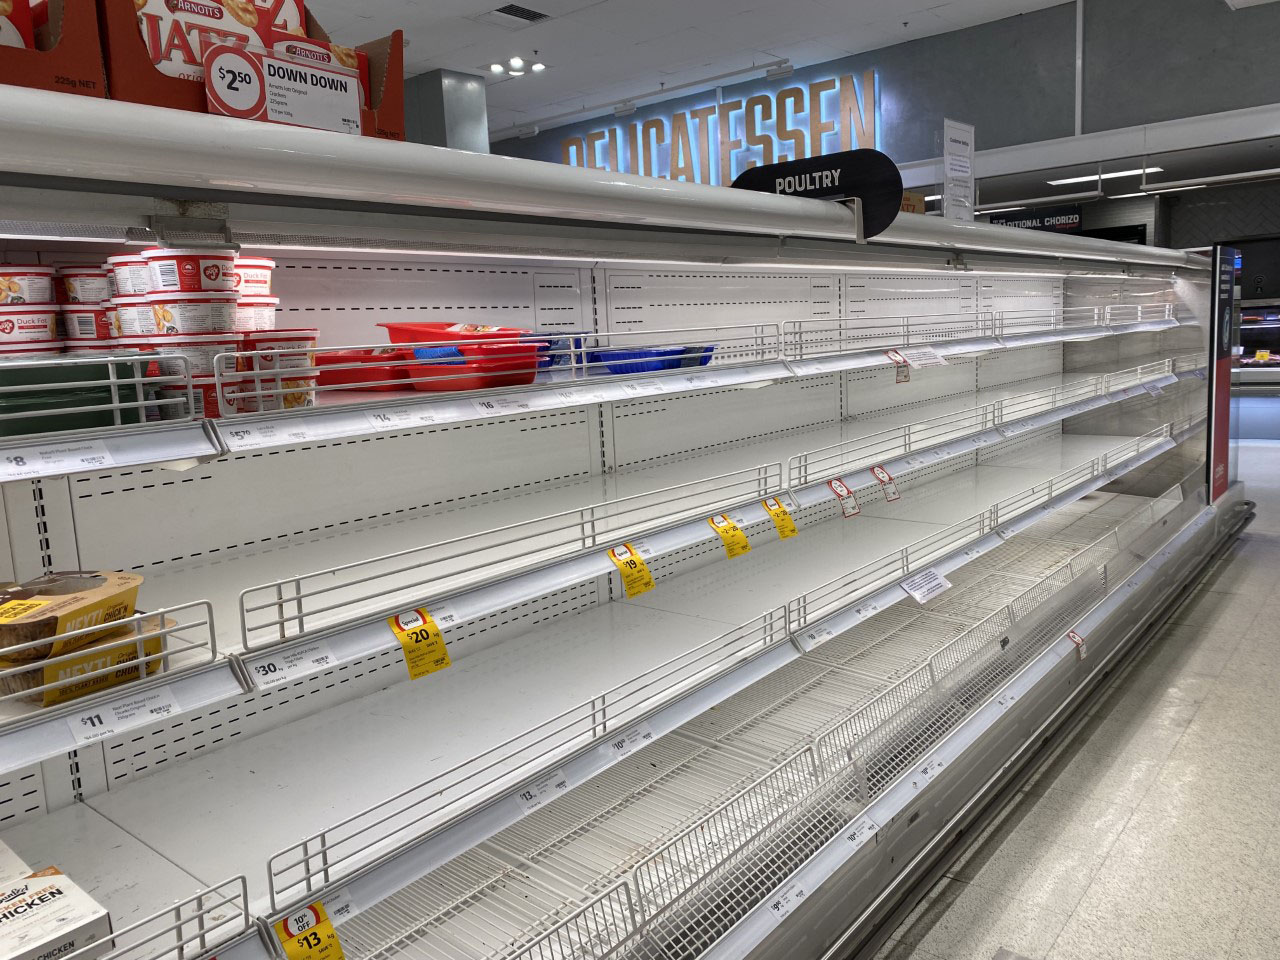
[446, 108]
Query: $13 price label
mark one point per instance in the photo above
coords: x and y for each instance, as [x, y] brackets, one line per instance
[308, 934]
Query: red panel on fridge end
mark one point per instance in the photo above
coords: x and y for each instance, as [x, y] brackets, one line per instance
[1221, 330]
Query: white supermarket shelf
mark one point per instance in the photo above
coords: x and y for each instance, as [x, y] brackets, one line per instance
[340, 414]
[368, 749]
[221, 581]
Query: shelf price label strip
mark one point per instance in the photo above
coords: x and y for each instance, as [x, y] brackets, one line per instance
[636, 578]
[731, 535]
[422, 643]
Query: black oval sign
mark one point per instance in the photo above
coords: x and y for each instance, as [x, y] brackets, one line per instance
[868, 175]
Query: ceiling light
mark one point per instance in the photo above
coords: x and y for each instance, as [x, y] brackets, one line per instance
[538, 67]
[933, 196]
[1002, 209]
[517, 73]
[780, 70]
[1104, 176]
[1126, 196]
[516, 63]
[496, 68]
[1156, 188]
[624, 109]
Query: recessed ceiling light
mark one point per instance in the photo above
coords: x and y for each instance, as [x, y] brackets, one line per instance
[517, 73]
[496, 68]
[538, 67]
[516, 63]
[1104, 176]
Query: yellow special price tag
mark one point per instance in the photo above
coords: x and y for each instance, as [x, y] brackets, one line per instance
[308, 934]
[782, 521]
[735, 541]
[424, 649]
[636, 578]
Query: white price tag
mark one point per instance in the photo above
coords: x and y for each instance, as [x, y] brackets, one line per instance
[251, 435]
[108, 719]
[785, 900]
[925, 585]
[926, 773]
[581, 395]
[54, 458]
[642, 388]
[502, 406]
[1008, 430]
[863, 830]
[1004, 533]
[545, 790]
[287, 664]
[973, 553]
[629, 741]
[702, 380]
[1005, 701]
[388, 419]
[1082, 649]
[919, 357]
[818, 635]
[981, 440]
[340, 907]
[864, 611]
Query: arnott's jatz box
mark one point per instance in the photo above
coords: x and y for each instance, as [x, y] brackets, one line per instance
[178, 32]
[44, 916]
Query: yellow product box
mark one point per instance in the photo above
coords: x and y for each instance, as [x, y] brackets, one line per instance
[55, 680]
[60, 602]
[44, 915]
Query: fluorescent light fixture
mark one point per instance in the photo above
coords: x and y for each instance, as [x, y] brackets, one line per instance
[1126, 196]
[624, 109]
[1001, 209]
[516, 63]
[538, 67]
[933, 196]
[778, 71]
[1156, 188]
[1104, 176]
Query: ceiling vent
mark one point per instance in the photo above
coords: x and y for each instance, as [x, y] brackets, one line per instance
[512, 17]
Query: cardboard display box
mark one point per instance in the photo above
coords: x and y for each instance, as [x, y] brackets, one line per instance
[44, 915]
[132, 76]
[68, 54]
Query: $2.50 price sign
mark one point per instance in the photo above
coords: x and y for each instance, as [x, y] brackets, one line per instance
[308, 934]
[254, 85]
[421, 641]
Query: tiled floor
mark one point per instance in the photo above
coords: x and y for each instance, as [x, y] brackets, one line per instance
[1155, 833]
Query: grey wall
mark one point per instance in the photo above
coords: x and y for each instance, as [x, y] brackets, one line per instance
[1122, 213]
[1198, 218]
[1152, 60]
[1013, 79]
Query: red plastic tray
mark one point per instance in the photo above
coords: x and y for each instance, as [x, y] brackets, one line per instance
[486, 365]
[373, 367]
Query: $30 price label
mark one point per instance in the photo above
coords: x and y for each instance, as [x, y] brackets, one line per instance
[421, 641]
[308, 934]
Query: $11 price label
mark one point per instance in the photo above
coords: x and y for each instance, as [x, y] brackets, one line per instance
[421, 640]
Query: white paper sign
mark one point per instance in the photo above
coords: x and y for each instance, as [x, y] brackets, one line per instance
[919, 357]
[108, 719]
[294, 662]
[926, 585]
[642, 388]
[785, 900]
[254, 85]
[544, 791]
[502, 406]
[54, 458]
[629, 741]
[957, 168]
